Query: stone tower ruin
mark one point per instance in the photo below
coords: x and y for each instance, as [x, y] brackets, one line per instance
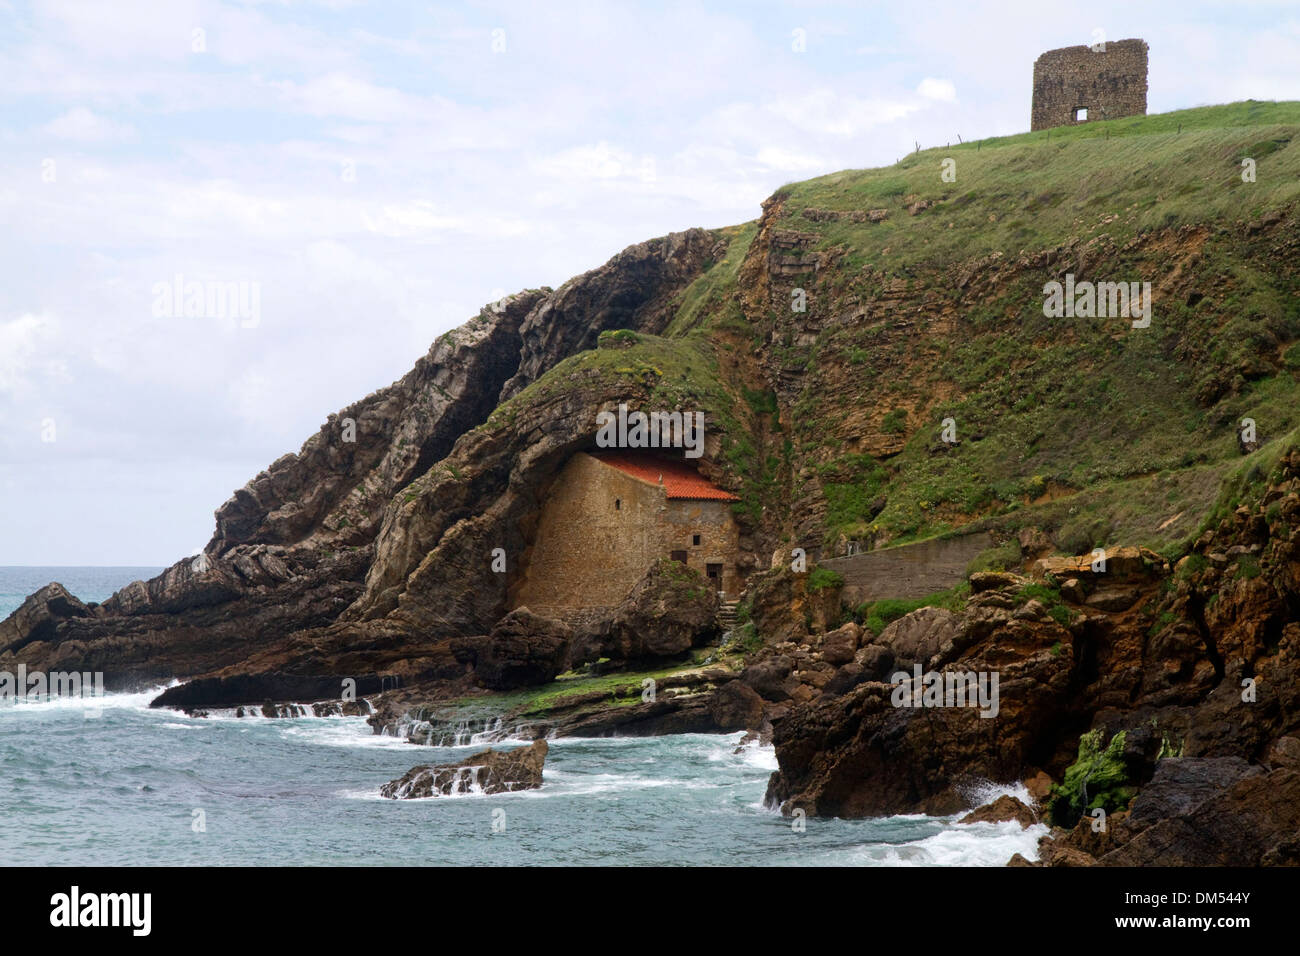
[1079, 84]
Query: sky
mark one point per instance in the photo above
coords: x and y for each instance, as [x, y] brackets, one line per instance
[346, 180]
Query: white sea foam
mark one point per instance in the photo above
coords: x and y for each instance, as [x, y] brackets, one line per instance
[371, 794]
[346, 732]
[758, 757]
[631, 782]
[967, 844]
[603, 741]
[559, 783]
[233, 713]
[138, 701]
[986, 791]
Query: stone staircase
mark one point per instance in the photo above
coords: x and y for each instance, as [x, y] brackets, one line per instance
[727, 615]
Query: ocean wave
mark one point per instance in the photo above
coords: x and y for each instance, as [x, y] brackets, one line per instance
[967, 844]
[984, 792]
[137, 701]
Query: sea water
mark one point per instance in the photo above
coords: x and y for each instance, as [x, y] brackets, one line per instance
[123, 784]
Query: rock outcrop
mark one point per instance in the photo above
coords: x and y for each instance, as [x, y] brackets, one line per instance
[333, 492]
[829, 349]
[523, 649]
[1191, 688]
[1005, 807]
[370, 536]
[491, 771]
[785, 608]
[39, 616]
[1196, 811]
[668, 612]
[858, 754]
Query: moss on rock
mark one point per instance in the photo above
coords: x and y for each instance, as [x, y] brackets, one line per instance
[1099, 778]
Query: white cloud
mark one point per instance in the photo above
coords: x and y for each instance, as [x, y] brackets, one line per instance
[27, 345]
[81, 125]
[598, 161]
[350, 97]
[123, 29]
[789, 161]
[474, 172]
[826, 111]
[942, 90]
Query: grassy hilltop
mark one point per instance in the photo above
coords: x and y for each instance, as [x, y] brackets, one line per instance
[924, 302]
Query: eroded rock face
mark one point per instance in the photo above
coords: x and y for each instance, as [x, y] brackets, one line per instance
[1253, 822]
[1119, 564]
[491, 771]
[335, 489]
[523, 649]
[736, 706]
[1194, 812]
[918, 637]
[38, 617]
[860, 755]
[668, 612]
[258, 688]
[840, 645]
[1181, 784]
[771, 677]
[627, 292]
[1204, 662]
[784, 608]
[187, 622]
[350, 545]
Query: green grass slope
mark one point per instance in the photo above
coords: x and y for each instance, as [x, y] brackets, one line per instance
[1096, 432]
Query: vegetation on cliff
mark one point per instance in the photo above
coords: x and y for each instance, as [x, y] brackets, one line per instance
[1099, 780]
[830, 344]
[930, 309]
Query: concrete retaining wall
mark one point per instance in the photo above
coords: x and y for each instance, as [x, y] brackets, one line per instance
[910, 570]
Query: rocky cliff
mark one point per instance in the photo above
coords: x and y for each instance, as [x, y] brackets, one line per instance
[876, 366]
[335, 531]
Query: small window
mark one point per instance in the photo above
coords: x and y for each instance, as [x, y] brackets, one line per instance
[678, 556]
[618, 504]
[1081, 115]
[695, 540]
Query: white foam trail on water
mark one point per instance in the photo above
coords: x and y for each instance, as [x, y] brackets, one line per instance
[370, 793]
[610, 741]
[704, 743]
[304, 712]
[478, 742]
[218, 714]
[347, 732]
[967, 844]
[558, 783]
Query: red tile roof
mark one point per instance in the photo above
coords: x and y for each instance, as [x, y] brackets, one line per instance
[679, 479]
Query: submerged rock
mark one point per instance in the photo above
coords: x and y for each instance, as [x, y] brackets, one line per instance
[491, 771]
[1005, 807]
